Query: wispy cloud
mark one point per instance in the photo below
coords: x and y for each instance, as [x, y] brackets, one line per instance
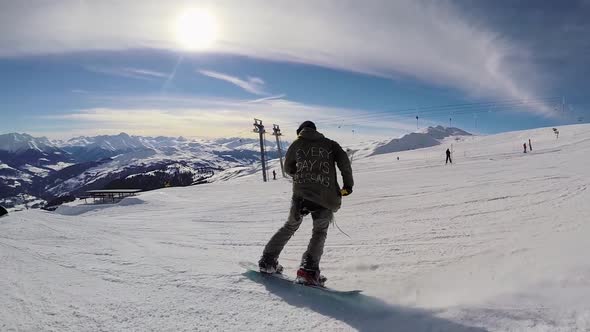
[253, 85]
[281, 96]
[175, 116]
[79, 91]
[129, 72]
[146, 72]
[432, 41]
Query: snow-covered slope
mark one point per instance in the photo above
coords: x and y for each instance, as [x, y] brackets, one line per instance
[496, 242]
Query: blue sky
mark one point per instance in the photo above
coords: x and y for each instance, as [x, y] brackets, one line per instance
[361, 71]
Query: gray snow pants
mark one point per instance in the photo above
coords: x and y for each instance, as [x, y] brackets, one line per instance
[321, 221]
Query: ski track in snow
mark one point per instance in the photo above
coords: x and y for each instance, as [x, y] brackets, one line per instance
[496, 242]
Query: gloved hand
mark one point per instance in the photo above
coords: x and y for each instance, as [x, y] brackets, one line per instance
[345, 191]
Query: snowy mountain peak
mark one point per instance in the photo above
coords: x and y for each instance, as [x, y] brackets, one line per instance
[15, 142]
[241, 143]
[440, 132]
[121, 141]
[430, 136]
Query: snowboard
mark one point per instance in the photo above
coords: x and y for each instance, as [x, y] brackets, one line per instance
[279, 276]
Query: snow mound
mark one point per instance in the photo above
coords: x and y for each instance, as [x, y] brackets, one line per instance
[128, 201]
[79, 209]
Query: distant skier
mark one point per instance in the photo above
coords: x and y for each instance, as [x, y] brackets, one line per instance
[311, 161]
[449, 160]
[274, 175]
[524, 146]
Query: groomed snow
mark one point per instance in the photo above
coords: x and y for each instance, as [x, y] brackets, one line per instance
[497, 242]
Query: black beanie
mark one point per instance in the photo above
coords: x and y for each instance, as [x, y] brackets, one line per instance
[306, 124]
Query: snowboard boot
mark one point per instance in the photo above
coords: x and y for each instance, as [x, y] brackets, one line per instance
[310, 277]
[269, 265]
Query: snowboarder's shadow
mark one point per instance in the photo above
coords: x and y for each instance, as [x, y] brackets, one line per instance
[362, 312]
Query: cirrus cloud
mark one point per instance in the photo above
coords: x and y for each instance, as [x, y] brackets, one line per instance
[253, 85]
[432, 41]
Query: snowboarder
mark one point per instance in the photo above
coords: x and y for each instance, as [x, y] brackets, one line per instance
[274, 175]
[449, 160]
[311, 161]
[524, 146]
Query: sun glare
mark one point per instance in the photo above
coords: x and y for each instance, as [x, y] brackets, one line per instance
[196, 29]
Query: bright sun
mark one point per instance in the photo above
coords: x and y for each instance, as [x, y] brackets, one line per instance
[196, 29]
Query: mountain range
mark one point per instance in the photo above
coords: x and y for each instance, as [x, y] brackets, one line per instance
[35, 171]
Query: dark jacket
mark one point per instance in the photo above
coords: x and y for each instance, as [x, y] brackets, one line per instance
[311, 160]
